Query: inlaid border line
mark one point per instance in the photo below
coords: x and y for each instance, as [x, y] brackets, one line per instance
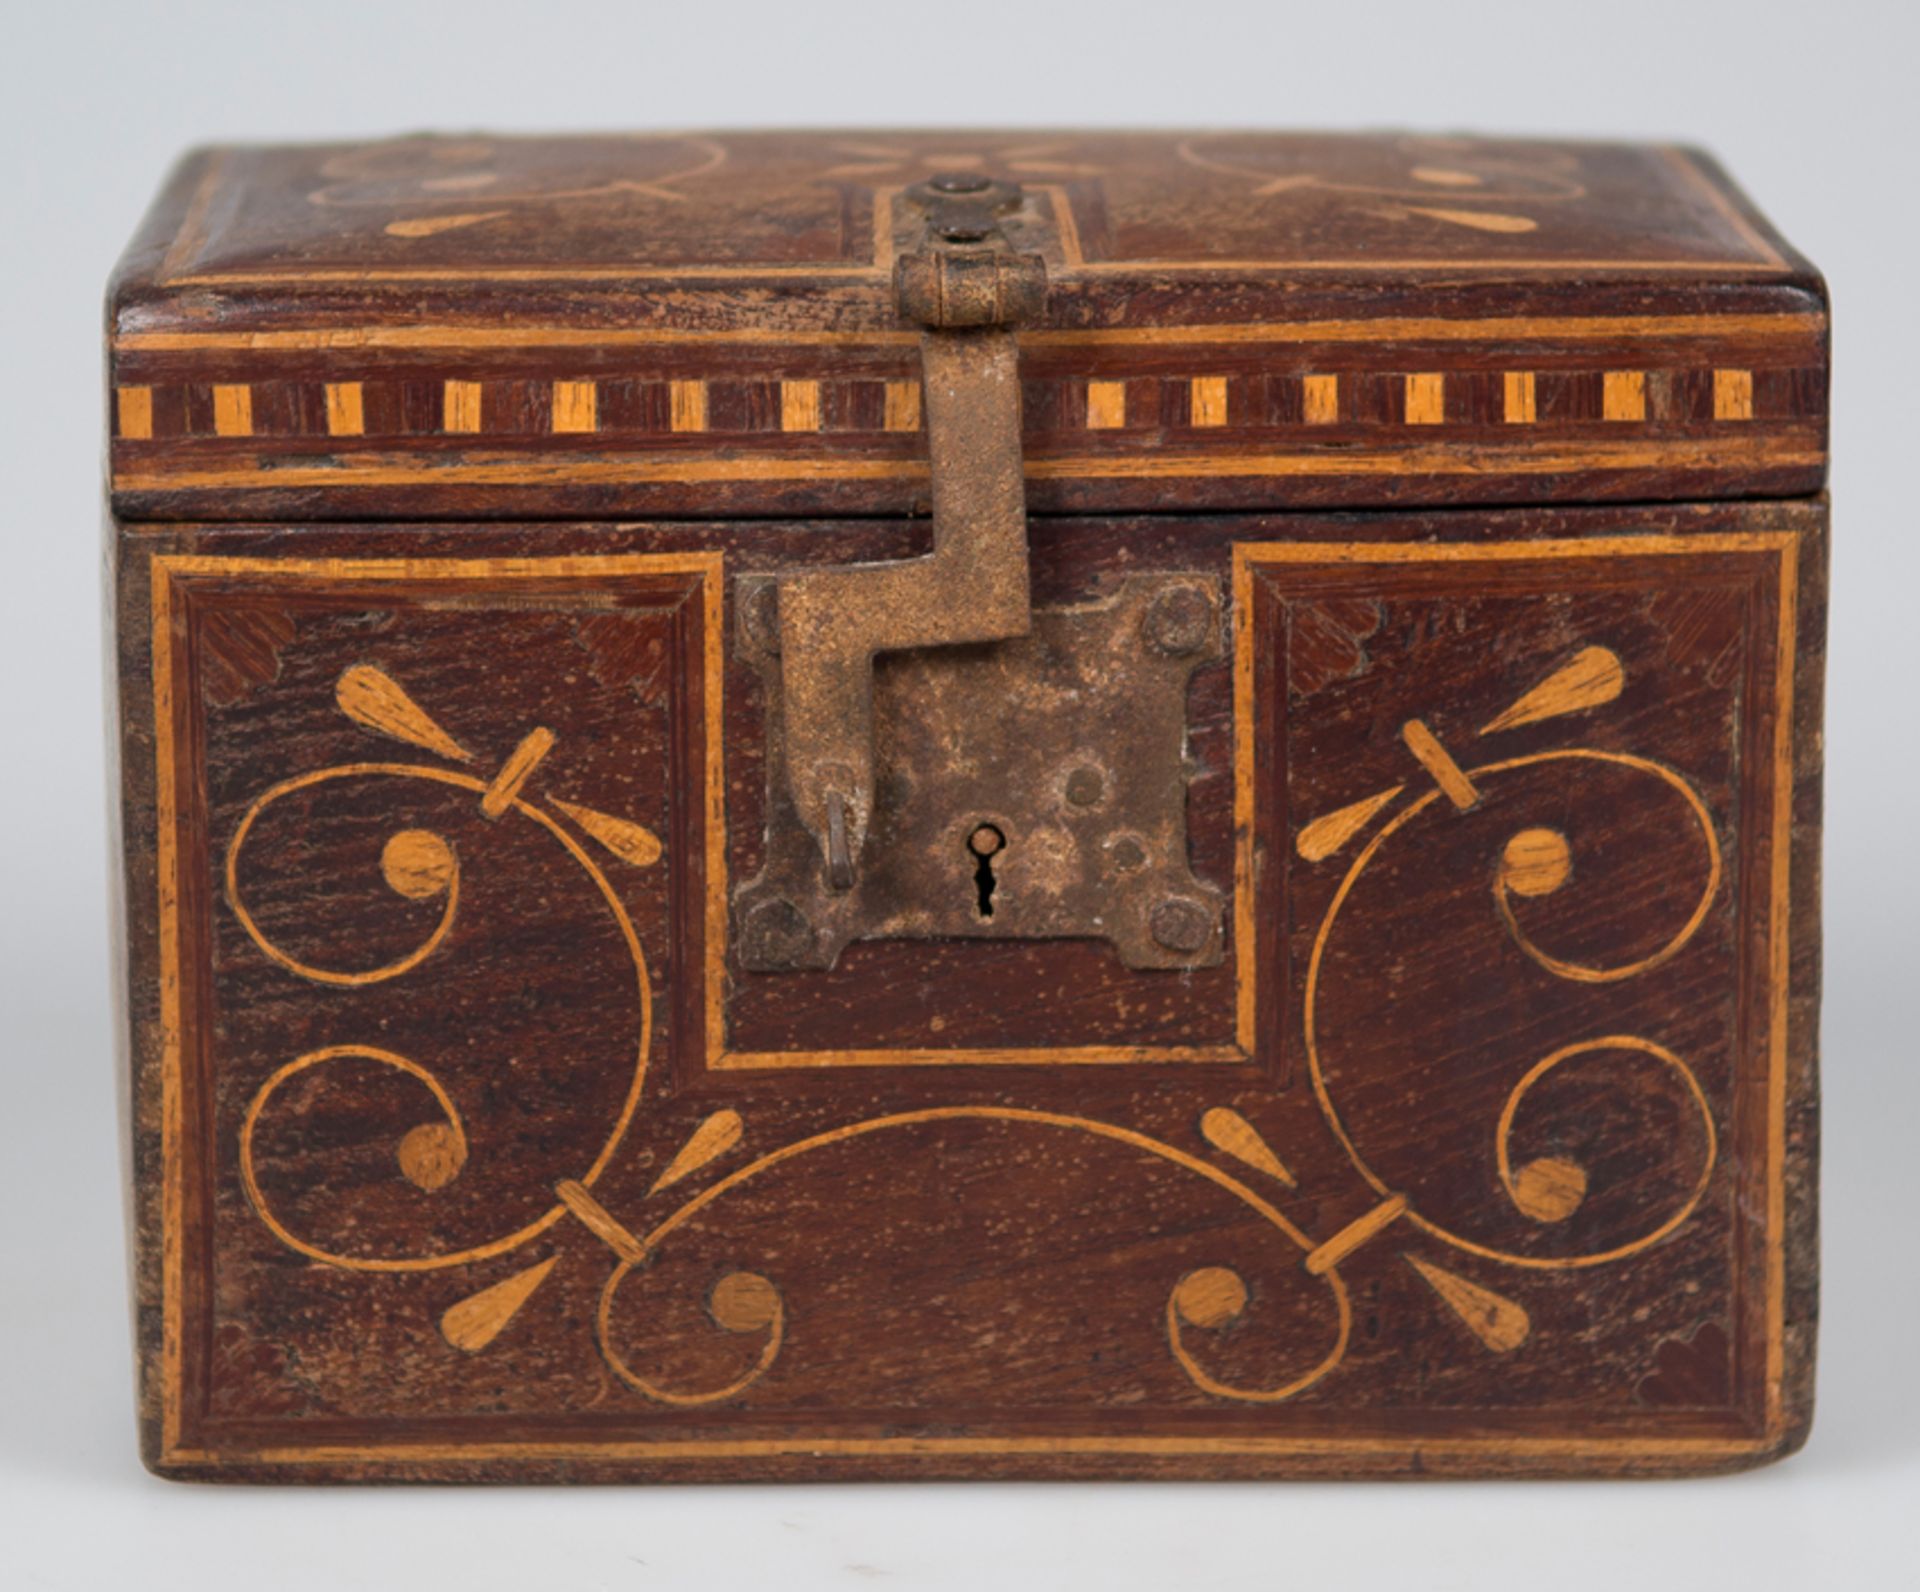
[166, 569]
[1247, 556]
[711, 567]
[1689, 168]
[909, 1447]
[191, 239]
[1750, 451]
[1380, 329]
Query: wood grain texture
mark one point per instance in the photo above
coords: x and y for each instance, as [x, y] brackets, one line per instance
[576, 406]
[1426, 398]
[346, 409]
[568, 1246]
[468, 1144]
[232, 409]
[1208, 403]
[1320, 399]
[1519, 392]
[134, 412]
[1624, 395]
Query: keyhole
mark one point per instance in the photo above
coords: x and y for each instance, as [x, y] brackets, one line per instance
[986, 842]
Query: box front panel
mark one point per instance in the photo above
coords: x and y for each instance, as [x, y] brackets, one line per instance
[469, 1144]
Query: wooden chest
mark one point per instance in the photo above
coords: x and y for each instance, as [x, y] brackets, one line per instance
[982, 804]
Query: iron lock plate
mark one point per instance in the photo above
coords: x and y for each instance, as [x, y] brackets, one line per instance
[1032, 788]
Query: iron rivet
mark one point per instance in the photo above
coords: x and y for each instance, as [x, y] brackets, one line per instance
[1085, 786]
[775, 934]
[839, 844]
[1182, 926]
[1128, 854]
[959, 182]
[763, 617]
[1179, 621]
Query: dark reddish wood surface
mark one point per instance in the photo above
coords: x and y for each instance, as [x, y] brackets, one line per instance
[980, 1292]
[463, 1145]
[696, 205]
[743, 261]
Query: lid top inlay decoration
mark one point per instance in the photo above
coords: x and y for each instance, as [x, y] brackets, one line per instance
[819, 204]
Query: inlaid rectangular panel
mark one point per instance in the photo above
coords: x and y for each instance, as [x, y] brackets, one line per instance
[1534, 803]
[467, 1147]
[428, 831]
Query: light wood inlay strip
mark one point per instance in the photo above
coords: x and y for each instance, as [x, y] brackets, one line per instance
[1426, 399]
[799, 406]
[902, 406]
[516, 771]
[172, 1168]
[813, 1445]
[1780, 974]
[233, 410]
[576, 406]
[136, 412]
[192, 235]
[1320, 399]
[346, 409]
[1106, 405]
[1624, 395]
[1441, 459]
[1520, 398]
[1361, 553]
[1052, 1056]
[1354, 1234]
[1208, 400]
[1437, 761]
[1733, 395]
[601, 1222]
[1387, 329]
[389, 469]
[1435, 329]
[687, 405]
[881, 266]
[460, 406]
[1682, 161]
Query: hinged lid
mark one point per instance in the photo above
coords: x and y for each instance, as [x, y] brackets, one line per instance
[707, 324]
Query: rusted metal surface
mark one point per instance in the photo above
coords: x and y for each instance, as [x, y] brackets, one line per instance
[1035, 788]
[966, 275]
[966, 288]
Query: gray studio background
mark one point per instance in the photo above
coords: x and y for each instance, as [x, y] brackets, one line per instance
[1811, 105]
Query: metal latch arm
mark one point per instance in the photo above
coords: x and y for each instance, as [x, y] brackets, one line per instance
[967, 288]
